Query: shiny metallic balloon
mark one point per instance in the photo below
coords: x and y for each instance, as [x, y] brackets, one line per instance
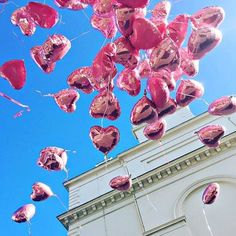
[71, 4]
[211, 193]
[24, 213]
[122, 183]
[40, 192]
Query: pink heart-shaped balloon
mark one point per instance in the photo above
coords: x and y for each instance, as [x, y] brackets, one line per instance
[129, 81]
[144, 111]
[21, 18]
[40, 192]
[159, 91]
[122, 183]
[103, 68]
[165, 55]
[104, 8]
[211, 193]
[125, 17]
[188, 91]
[223, 106]
[107, 26]
[66, 99]
[14, 72]
[24, 213]
[210, 135]
[155, 130]
[189, 67]
[104, 139]
[54, 49]
[53, 158]
[202, 41]
[134, 4]
[126, 54]
[168, 109]
[71, 4]
[79, 79]
[161, 10]
[209, 16]
[105, 105]
[42, 14]
[145, 34]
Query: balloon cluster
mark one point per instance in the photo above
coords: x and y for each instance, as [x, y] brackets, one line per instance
[148, 48]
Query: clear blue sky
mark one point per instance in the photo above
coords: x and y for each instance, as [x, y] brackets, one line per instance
[46, 125]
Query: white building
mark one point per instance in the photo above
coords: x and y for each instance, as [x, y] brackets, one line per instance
[168, 181]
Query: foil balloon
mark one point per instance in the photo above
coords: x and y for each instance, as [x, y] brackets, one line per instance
[122, 183]
[145, 34]
[105, 105]
[161, 10]
[225, 105]
[189, 67]
[168, 109]
[166, 55]
[209, 16]
[14, 72]
[210, 135]
[103, 68]
[107, 26]
[166, 76]
[79, 79]
[24, 213]
[144, 69]
[125, 17]
[66, 99]
[23, 20]
[53, 159]
[42, 14]
[126, 54]
[104, 8]
[177, 29]
[211, 193]
[144, 111]
[155, 130]
[104, 139]
[159, 91]
[89, 2]
[202, 41]
[40, 192]
[71, 4]
[54, 49]
[188, 91]
[177, 74]
[134, 4]
[129, 81]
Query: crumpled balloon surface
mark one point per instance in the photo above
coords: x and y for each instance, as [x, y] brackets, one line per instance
[211, 193]
[225, 105]
[40, 192]
[128, 80]
[53, 158]
[202, 41]
[155, 130]
[24, 213]
[14, 72]
[188, 91]
[80, 79]
[53, 49]
[71, 4]
[105, 105]
[144, 111]
[66, 99]
[104, 139]
[134, 4]
[209, 16]
[210, 135]
[168, 109]
[122, 183]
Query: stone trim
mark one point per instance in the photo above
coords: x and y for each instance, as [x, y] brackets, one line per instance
[146, 180]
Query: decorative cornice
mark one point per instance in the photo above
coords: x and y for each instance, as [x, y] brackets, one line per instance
[146, 180]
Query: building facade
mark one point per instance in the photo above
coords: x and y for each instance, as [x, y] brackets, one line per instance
[169, 178]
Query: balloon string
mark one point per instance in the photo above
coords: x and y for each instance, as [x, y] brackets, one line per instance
[44, 95]
[61, 202]
[15, 102]
[29, 228]
[84, 33]
[86, 15]
[208, 226]
[67, 173]
[202, 99]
